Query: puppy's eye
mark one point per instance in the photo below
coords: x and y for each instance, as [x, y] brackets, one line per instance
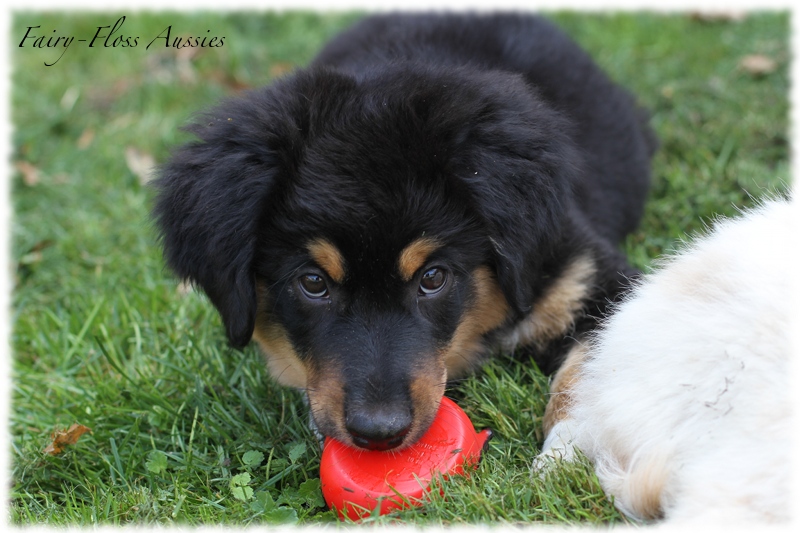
[314, 286]
[432, 281]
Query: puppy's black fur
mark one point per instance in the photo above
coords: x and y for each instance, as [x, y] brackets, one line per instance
[429, 187]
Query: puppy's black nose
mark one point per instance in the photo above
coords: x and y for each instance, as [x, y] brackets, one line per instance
[380, 428]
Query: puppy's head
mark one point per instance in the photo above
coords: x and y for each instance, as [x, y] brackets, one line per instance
[369, 231]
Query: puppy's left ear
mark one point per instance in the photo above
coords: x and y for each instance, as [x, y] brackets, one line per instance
[524, 233]
[520, 165]
[210, 197]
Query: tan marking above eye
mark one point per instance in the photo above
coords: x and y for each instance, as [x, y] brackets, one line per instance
[328, 257]
[414, 256]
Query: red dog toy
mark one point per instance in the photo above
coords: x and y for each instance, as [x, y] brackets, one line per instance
[355, 481]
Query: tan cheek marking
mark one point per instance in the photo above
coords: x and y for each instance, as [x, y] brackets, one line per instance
[555, 312]
[488, 311]
[326, 401]
[324, 386]
[283, 362]
[328, 257]
[413, 256]
[426, 390]
[567, 376]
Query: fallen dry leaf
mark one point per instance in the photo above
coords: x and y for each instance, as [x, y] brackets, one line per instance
[229, 79]
[758, 65]
[280, 68]
[85, 139]
[34, 255]
[63, 438]
[30, 174]
[140, 163]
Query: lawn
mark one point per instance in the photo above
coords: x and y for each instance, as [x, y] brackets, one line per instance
[181, 424]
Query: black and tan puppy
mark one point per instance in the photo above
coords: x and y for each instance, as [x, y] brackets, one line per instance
[430, 187]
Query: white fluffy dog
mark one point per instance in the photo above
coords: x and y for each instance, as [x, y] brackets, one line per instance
[682, 400]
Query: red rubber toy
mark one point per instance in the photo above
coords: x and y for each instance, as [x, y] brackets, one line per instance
[356, 481]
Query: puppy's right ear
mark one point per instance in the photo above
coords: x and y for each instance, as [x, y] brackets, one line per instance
[210, 197]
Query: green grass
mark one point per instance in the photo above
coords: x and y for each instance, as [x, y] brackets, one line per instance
[104, 336]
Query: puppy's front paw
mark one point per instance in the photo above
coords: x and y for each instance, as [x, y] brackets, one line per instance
[558, 446]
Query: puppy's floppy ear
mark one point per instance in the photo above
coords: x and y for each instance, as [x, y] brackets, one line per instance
[520, 165]
[210, 198]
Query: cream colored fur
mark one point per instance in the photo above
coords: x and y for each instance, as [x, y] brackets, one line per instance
[683, 404]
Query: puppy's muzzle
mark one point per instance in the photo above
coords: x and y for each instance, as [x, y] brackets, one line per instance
[381, 427]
